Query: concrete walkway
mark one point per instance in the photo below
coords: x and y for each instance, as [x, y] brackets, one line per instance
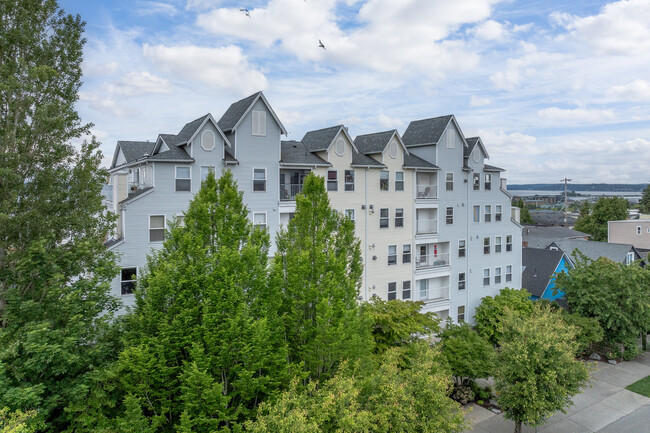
[603, 407]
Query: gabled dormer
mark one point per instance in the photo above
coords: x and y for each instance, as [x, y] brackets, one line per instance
[435, 139]
[383, 146]
[475, 153]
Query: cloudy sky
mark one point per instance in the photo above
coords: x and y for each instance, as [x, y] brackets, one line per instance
[554, 88]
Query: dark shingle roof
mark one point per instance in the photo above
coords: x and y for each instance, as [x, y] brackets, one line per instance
[488, 167]
[373, 143]
[295, 152]
[235, 112]
[173, 154]
[137, 193]
[189, 129]
[426, 131]
[133, 150]
[361, 160]
[111, 242]
[413, 161]
[594, 250]
[471, 144]
[319, 140]
[553, 232]
[228, 158]
[169, 139]
[540, 264]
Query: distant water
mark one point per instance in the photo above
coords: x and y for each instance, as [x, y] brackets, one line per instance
[626, 194]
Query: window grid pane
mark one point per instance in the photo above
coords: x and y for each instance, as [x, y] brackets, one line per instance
[449, 215]
[399, 181]
[349, 180]
[399, 217]
[383, 218]
[392, 291]
[332, 181]
[392, 254]
[383, 180]
[406, 253]
[406, 290]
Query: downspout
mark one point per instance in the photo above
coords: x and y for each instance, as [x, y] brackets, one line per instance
[365, 238]
[467, 249]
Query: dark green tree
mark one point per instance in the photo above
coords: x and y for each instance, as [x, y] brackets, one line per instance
[198, 355]
[524, 216]
[537, 373]
[317, 271]
[489, 314]
[468, 355]
[595, 223]
[54, 269]
[644, 203]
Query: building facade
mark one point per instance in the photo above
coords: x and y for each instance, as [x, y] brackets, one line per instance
[434, 220]
[633, 232]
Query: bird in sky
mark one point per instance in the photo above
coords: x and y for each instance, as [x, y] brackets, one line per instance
[320, 45]
[246, 11]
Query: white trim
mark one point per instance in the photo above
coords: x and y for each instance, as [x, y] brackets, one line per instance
[189, 168]
[156, 228]
[121, 280]
[336, 146]
[258, 123]
[214, 140]
[268, 106]
[213, 167]
[253, 179]
[452, 180]
[266, 219]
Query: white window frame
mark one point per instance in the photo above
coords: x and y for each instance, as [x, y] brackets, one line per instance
[334, 182]
[487, 213]
[497, 275]
[399, 220]
[476, 181]
[258, 119]
[498, 212]
[405, 289]
[406, 253]
[350, 214]
[449, 217]
[487, 182]
[449, 182]
[497, 244]
[259, 180]
[393, 285]
[629, 258]
[384, 218]
[208, 167]
[214, 140]
[423, 288]
[449, 139]
[392, 257]
[487, 247]
[339, 147]
[122, 281]
[476, 216]
[462, 248]
[382, 173]
[164, 227]
[508, 243]
[266, 221]
[486, 277]
[347, 184]
[508, 273]
[639, 230]
[176, 178]
[392, 149]
[462, 280]
[460, 314]
[399, 183]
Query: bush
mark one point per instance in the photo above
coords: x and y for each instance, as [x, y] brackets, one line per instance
[463, 394]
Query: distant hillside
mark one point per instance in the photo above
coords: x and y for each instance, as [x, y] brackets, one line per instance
[619, 187]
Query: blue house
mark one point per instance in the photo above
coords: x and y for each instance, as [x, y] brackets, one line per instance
[540, 267]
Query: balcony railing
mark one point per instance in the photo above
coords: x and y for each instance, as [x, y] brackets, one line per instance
[426, 226]
[134, 187]
[288, 191]
[432, 261]
[433, 293]
[427, 191]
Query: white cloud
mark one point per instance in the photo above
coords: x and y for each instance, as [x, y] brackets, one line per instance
[389, 122]
[575, 114]
[105, 68]
[637, 90]
[154, 8]
[490, 30]
[476, 101]
[224, 68]
[138, 83]
[107, 105]
[502, 143]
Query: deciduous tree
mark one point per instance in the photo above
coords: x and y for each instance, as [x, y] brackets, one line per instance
[489, 314]
[644, 203]
[595, 223]
[468, 355]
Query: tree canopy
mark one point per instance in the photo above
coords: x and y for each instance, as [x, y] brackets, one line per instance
[468, 355]
[524, 216]
[489, 314]
[644, 203]
[594, 221]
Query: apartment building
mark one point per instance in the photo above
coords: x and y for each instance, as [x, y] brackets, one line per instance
[433, 219]
[634, 232]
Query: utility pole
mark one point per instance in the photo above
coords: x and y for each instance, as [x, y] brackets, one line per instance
[565, 180]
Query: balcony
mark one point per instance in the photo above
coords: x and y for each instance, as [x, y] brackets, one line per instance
[426, 191]
[426, 226]
[134, 188]
[288, 191]
[432, 261]
[433, 294]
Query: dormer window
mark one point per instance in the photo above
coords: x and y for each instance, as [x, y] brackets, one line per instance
[450, 139]
[259, 123]
[339, 148]
[207, 141]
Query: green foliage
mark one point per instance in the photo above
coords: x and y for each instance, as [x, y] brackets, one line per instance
[17, 422]
[54, 268]
[644, 203]
[489, 314]
[641, 386]
[407, 392]
[588, 330]
[593, 287]
[316, 274]
[524, 216]
[200, 352]
[537, 373]
[595, 222]
[468, 355]
[397, 323]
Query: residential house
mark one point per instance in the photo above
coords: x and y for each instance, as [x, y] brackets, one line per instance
[534, 236]
[634, 232]
[618, 253]
[539, 269]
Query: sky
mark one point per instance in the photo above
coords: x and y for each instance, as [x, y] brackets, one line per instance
[555, 89]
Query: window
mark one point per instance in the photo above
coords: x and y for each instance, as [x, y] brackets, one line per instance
[350, 213]
[497, 275]
[487, 216]
[180, 220]
[498, 212]
[340, 147]
[449, 181]
[477, 214]
[129, 275]
[461, 248]
[461, 281]
[629, 258]
[399, 181]
[259, 220]
[449, 215]
[392, 254]
[486, 277]
[497, 244]
[486, 245]
[183, 180]
[424, 289]
[399, 217]
[207, 140]
[461, 314]
[450, 139]
[383, 180]
[509, 243]
[383, 218]
[477, 181]
[638, 230]
[349, 180]
[332, 181]
[406, 253]
[259, 123]
[508, 273]
[488, 182]
[406, 290]
[156, 228]
[392, 291]
[205, 170]
[259, 179]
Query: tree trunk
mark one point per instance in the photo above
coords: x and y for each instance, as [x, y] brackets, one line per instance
[644, 339]
[517, 426]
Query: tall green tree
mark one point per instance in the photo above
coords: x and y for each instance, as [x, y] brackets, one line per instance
[595, 223]
[317, 273]
[644, 203]
[524, 215]
[489, 314]
[199, 356]
[537, 373]
[54, 269]
[468, 355]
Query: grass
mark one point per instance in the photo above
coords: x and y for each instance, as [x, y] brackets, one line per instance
[641, 387]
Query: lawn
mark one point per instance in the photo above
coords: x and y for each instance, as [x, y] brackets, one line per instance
[641, 387]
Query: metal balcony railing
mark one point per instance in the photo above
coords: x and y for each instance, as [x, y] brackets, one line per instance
[134, 187]
[432, 261]
[427, 191]
[288, 191]
[433, 293]
[426, 226]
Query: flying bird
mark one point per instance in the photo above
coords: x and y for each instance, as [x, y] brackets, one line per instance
[320, 45]
[246, 11]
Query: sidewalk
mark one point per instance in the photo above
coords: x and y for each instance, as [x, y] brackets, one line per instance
[605, 403]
